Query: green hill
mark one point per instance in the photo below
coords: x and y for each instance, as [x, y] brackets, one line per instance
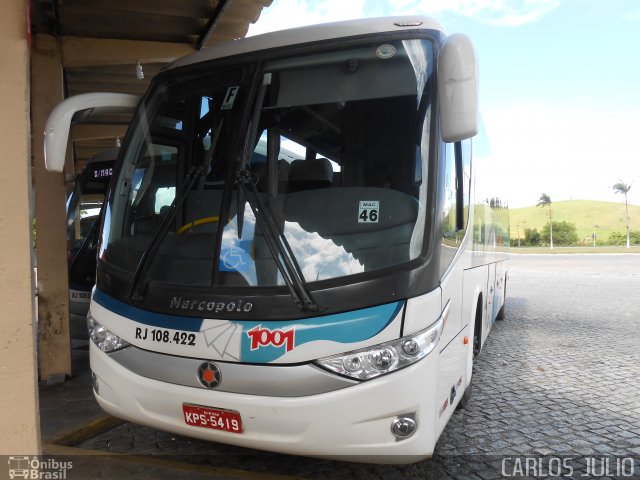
[589, 216]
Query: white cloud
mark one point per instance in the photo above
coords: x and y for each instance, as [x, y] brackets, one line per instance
[633, 15]
[295, 13]
[320, 258]
[494, 12]
[284, 14]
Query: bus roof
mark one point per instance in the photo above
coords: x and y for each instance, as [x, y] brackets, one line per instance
[309, 34]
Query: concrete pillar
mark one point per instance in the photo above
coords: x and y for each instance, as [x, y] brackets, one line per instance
[51, 243]
[19, 413]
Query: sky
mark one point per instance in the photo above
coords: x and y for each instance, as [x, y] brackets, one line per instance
[559, 85]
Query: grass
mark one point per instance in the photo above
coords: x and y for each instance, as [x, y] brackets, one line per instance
[589, 216]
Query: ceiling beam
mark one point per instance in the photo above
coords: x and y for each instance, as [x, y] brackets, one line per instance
[95, 132]
[191, 9]
[212, 23]
[87, 52]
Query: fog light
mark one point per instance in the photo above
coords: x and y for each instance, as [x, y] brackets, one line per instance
[403, 427]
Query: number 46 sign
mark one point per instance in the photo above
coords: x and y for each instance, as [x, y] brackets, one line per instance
[369, 211]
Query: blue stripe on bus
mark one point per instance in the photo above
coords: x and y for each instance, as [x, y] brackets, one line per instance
[175, 322]
[347, 327]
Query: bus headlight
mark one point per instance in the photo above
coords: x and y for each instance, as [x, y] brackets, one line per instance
[103, 338]
[387, 357]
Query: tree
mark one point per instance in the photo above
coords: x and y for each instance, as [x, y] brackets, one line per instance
[619, 239]
[531, 237]
[545, 201]
[565, 233]
[623, 188]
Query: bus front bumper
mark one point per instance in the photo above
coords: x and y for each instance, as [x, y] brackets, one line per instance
[351, 424]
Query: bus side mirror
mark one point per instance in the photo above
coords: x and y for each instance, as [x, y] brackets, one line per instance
[458, 89]
[56, 133]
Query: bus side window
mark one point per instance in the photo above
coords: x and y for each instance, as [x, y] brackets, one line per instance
[465, 173]
[450, 196]
[457, 185]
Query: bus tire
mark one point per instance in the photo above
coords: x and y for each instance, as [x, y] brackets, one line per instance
[477, 328]
[500, 315]
[466, 397]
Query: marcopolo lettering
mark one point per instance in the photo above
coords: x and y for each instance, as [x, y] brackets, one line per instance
[206, 305]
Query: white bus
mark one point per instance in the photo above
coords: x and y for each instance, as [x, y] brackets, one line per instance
[84, 205]
[291, 255]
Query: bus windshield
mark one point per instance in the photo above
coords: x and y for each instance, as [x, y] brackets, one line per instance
[342, 179]
[83, 213]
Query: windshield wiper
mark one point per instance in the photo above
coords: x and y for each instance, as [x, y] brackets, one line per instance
[276, 241]
[194, 174]
[137, 295]
[277, 244]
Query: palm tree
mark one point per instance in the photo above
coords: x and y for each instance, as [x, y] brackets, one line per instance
[545, 201]
[622, 187]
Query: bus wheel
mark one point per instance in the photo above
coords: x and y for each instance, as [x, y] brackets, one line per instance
[500, 315]
[477, 330]
[466, 397]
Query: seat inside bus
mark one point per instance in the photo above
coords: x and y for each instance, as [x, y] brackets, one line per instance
[310, 174]
[334, 215]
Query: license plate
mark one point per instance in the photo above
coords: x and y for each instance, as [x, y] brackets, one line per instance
[80, 296]
[214, 418]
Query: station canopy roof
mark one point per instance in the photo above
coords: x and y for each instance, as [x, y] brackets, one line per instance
[102, 42]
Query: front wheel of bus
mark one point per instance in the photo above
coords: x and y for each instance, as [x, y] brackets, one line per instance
[477, 328]
[466, 396]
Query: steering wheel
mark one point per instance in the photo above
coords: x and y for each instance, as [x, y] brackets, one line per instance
[196, 223]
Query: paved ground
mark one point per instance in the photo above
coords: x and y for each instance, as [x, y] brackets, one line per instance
[558, 377]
